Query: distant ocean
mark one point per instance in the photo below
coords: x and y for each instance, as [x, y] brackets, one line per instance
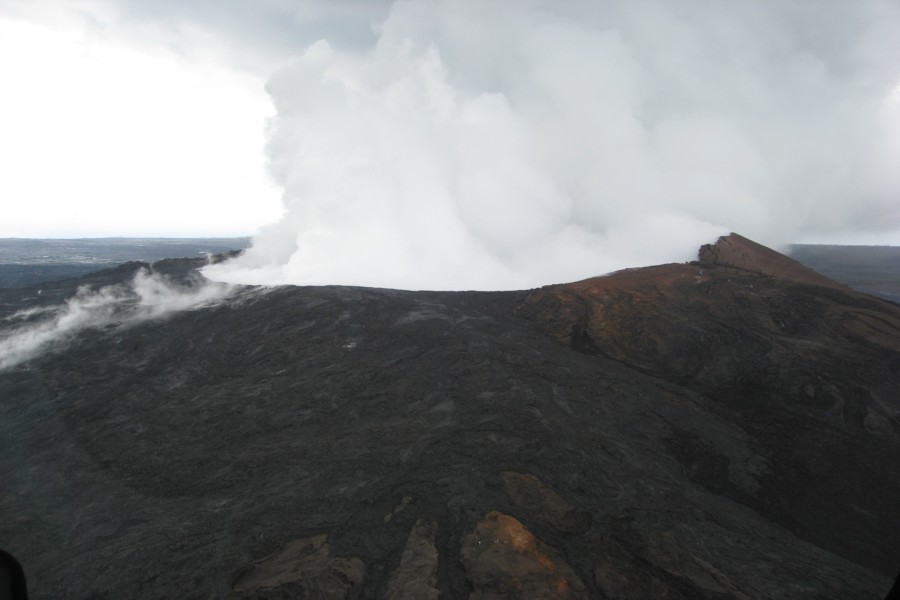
[26, 262]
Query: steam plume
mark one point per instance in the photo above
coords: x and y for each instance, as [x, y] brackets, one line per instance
[28, 333]
[504, 144]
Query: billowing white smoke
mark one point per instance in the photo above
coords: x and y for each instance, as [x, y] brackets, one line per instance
[497, 145]
[28, 333]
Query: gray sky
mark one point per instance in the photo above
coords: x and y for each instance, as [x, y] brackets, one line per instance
[452, 144]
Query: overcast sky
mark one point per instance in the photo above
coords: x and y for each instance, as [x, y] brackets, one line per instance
[485, 144]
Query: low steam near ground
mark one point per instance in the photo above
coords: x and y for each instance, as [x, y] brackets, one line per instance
[31, 332]
[498, 145]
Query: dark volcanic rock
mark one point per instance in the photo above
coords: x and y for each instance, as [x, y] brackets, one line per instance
[302, 569]
[810, 372]
[722, 429]
[544, 504]
[416, 576]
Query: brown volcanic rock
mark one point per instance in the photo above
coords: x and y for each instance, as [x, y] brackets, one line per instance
[503, 559]
[737, 252]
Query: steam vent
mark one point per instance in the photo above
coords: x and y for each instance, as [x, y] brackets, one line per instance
[725, 428]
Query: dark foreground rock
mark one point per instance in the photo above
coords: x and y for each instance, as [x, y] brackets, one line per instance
[710, 430]
[301, 569]
[416, 576]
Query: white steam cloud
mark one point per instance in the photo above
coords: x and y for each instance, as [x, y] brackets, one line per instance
[498, 145]
[28, 333]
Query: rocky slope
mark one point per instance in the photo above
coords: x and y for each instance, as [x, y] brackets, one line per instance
[721, 429]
